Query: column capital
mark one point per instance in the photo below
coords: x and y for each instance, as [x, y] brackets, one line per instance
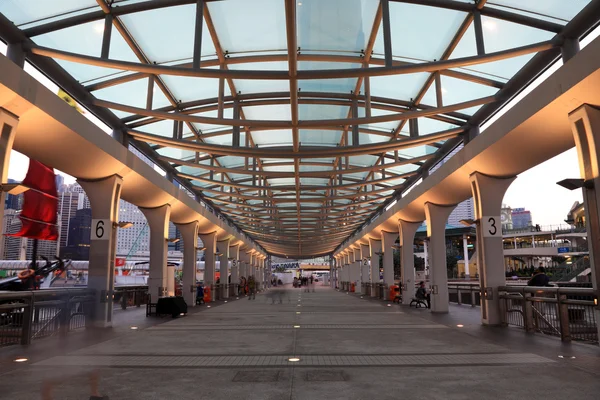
[488, 193]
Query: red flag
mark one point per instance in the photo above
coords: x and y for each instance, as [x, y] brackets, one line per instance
[40, 203]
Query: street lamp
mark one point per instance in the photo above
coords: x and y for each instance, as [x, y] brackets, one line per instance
[574, 183]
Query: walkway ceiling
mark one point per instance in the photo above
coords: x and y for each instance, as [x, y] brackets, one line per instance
[299, 120]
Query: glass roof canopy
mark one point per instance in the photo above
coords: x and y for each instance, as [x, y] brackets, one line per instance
[296, 119]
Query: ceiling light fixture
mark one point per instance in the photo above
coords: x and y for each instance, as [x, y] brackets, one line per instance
[19, 360]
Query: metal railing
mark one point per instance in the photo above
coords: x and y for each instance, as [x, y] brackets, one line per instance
[566, 312]
[130, 296]
[29, 315]
[464, 294]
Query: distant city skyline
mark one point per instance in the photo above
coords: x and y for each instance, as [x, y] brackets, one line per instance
[535, 189]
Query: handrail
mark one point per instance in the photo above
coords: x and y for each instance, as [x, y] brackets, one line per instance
[547, 289]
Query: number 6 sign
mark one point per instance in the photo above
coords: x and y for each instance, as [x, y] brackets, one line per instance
[100, 229]
[491, 226]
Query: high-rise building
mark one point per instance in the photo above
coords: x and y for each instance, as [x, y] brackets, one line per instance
[464, 210]
[78, 247]
[13, 248]
[68, 203]
[60, 183]
[135, 239]
[46, 248]
[13, 202]
[521, 218]
[506, 217]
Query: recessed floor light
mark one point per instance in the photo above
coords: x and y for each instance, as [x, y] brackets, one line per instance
[299, 305]
[181, 314]
[561, 356]
[225, 301]
[389, 305]
[296, 326]
[237, 298]
[460, 325]
[21, 359]
[207, 306]
[293, 359]
[297, 312]
[133, 328]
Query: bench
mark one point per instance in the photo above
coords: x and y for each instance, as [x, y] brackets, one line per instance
[418, 302]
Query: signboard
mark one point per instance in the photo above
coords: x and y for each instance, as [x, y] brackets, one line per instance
[563, 250]
[491, 226]
[101, 229]
[119, 262]
[289, 265]
[365, 261]
[234, 263]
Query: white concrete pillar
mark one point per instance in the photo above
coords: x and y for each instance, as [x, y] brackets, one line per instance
[585, 124]
[8, 129]
[407, 259]
[189, 234]
[375, 247]
[244, 259]
[388, 242]
[234, 254]
[365, 265]
[488, 193]
[158, 222]
[466, 256]
[104, 198]
[209, 241]
[223, 248]
[426, 254]
[437, 216]
[356, 269]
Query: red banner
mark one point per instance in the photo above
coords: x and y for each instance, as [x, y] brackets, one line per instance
[40, 204]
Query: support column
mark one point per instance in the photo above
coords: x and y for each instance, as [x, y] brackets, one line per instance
[375, 246]
[585, 123]
[8, 129]
[210, 243]
[244, 259]
[407, 258]
[466, 257]
[365, 266]
[356, 269]
[104, 198]
[158, 222]
[388, 241]
[437, 216]
[223, 247]
[234, 254]
[189, 234]
[488, 193]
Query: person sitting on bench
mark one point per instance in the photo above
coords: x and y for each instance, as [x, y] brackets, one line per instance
[422, 294]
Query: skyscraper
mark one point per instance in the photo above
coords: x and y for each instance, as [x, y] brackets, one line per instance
[135, 239]
[68, 203]
[521, 218]
[13, 248]
[79, 235]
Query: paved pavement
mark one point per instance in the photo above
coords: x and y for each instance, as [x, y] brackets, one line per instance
[318, 345]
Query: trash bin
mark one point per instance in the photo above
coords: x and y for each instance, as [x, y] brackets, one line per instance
[207, 294]
[352, 287]
[394, 291]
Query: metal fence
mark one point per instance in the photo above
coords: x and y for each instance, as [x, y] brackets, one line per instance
[130, 296]
[566, 312]
[464, 294]
[25, 316]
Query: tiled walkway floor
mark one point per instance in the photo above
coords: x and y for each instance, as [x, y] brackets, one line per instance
[318, 345]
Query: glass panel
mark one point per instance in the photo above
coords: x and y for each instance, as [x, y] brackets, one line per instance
[501, 70]
[558, 9]
[403, 87]
[340, 25]
[24, 12]
[416, 151]
[179, 154]
[224, 140]
[129, 93]
[430, 125]
[231, 161]
[458, 90]
[244, 25]
[501, 35]
[366, 138]
[261, 86]
[188, 88]
[83, 39]
[86, 73]
[282, 168]
[281, 112]
[403, 169]
[313, 168]
[321, 111]
[363, 161]
[167, 33]
[320, 137]
[227, 113]
[281, 137]
[421, 32]
[383, 126]
[162, 128]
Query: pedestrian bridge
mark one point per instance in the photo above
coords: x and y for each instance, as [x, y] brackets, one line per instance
[317, 344]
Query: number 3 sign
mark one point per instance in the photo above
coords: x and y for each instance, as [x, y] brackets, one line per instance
[491, 226]
[100, 229]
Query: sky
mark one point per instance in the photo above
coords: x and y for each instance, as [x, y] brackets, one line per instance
[535, 189]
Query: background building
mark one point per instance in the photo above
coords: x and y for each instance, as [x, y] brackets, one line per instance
[521, 218]
[78, 247]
